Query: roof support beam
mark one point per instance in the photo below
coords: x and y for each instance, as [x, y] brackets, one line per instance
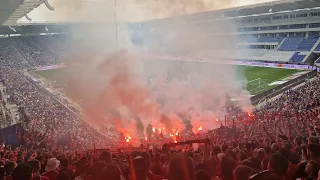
[27, 17]
[13, 29]
[48, 5]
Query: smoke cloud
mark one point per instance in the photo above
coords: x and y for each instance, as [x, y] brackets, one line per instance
[128, 10]
[128, 90]
[119, 86]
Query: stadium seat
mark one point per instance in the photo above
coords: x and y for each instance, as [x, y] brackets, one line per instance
[317, 48]
[307, 44]
[262, 39]
[293, 26]
[314, 25]
[290, 44]
[297, 43]
[270, 39]
[297, 57]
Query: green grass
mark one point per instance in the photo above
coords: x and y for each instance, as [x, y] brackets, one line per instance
[266, 75]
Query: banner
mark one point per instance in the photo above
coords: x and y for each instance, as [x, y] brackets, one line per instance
[247, 63]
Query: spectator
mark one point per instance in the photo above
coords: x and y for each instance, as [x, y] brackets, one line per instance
[227, 165]
[278, 164]
[52, 169]
[2, 173]
[242, 173]
[140, 168]
[22, 172]
[313, 140]
[265, 175]
[36, 166]
[312, 170]
[313, 151]
[64, 163]
[202, 175]
[63, 175]
[106, 157]
[181, 167]
[9, 169]
[112, 171]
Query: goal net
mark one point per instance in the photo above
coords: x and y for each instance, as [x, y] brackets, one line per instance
[256, 86]
[249, 85]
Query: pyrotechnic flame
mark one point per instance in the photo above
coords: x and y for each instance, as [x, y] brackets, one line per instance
[250, 114]
[153, 129]
[171, 135]
[217, 120]
[200, 128]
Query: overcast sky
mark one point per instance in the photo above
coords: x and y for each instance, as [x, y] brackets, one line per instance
[127, 10]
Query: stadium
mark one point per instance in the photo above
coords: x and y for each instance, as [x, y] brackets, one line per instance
[223, 94]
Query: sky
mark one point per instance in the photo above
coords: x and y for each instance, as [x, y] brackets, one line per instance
[126, 10]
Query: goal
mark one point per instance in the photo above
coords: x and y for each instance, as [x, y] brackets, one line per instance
[253, 84]
[256, 86]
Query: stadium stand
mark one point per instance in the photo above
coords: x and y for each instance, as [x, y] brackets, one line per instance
[317, 48]
[290, 44]
[297, 43]
[293, 26]
[297, 57]
[280, 56]
[314, 25]
[279, 140]
[307, 44]
[270, 39]
[260, 39]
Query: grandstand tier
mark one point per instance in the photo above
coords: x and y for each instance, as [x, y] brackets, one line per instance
[274, 135]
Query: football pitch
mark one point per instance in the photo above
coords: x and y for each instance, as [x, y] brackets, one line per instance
[259, 79]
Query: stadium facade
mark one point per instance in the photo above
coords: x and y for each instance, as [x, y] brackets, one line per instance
[287, 31]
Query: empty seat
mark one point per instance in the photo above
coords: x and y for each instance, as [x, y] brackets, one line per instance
[297, 43]
[307, 44]
[297, 57]
[290, 44]
[317, 48]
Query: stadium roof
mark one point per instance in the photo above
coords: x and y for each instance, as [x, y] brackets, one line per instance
[242, 11]
[32, 27]
[12, 10]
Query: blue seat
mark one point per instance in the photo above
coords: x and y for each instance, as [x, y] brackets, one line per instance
[317, 48]
[297, 44]
[307, 44]
[290, 44]
[297, 57]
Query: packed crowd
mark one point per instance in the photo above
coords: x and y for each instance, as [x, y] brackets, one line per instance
[44, 114]
[33, 51]
[280, 140]
[39, 111]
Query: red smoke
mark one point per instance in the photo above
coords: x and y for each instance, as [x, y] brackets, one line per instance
[114, 91]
